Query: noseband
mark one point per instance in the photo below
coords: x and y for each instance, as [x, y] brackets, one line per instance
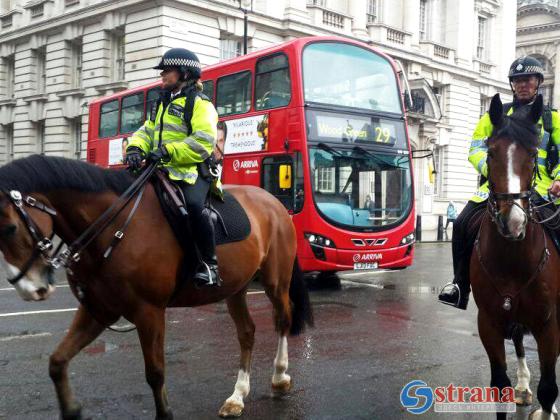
[43, 244]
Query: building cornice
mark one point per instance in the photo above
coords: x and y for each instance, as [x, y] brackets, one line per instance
[539, 28]
[535, 9]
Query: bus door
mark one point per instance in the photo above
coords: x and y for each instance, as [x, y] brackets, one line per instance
[282, 176]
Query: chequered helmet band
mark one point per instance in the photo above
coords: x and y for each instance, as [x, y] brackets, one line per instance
[527, 69]
[181, 62]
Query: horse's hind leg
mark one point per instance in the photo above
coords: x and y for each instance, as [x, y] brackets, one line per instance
[277, 285]
[523, 394]
[150, 323]
[237, 306]
[84, 330]
[493, 342]
[547, 391]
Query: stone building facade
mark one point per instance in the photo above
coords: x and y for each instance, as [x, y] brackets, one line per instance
[57, 55]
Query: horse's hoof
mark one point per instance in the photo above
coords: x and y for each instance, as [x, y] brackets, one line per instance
[540, 415]
[281, 388]
[74, 413]
[231, 409]
[523, 397]
[168, 416]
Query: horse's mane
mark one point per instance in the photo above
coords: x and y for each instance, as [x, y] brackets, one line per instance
[39, 173]
[518, 129]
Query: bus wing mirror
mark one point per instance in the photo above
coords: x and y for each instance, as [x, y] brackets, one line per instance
[285, 177]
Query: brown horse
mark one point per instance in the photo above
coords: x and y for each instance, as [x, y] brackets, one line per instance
[140, 279]
[514, 268]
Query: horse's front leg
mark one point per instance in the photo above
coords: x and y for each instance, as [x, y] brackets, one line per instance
[493, 341]
[523, 394]
[237, 306]
[547, 391]
[150, 322]
[84, 330]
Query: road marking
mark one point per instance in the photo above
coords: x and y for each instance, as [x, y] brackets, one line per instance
[24, 336]
[54, 311]
[11, 289]
[46, 311]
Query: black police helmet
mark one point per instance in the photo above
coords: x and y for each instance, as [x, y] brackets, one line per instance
[526, 66]
[182, 59]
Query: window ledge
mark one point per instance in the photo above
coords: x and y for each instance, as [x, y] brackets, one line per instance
[40, 97]
[8, 102]
[10, 12]
[115, 86]
[71, 92]
[34, 3]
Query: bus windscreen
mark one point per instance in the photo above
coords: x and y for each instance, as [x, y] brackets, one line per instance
[341, 74]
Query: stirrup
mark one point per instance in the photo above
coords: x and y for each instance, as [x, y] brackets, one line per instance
[454, 286]
[209, 283]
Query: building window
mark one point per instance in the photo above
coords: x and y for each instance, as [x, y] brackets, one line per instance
[481, 43]
[40, 136]
[41, 67]
[9, 138]
[423, 19]
[37, 10]
[372, 11]
[321, 3]
[76, 133]
[230, 48]
[325, 180]
[76, 63]
[547, 91]
[71, 2]
[9, 66]
[7, 21]
[484, 105]
[117, 46]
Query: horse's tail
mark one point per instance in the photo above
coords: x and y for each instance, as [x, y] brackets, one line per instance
[302, 312]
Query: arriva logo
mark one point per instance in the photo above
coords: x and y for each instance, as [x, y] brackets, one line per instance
[417, 397]
[367, 257]
[246, 164]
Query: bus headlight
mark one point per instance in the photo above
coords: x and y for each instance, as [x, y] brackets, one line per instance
[319, 240]
[408, 239]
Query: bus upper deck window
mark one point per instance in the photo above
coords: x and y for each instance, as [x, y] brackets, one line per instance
[233, 94]
[208, 89]
[132, 114]
[272, 82]
[109, 119]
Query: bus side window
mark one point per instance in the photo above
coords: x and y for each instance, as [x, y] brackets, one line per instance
[208, 89]
[109, 119]
[132, 112]
[233, 94]
[271, 179]
[272, 82]
[153, 95]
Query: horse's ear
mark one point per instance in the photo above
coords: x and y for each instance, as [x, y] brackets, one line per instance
[496, 111]
[536, 109]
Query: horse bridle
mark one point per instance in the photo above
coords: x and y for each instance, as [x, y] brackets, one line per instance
[43, 244]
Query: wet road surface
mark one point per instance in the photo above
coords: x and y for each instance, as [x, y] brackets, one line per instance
[373, 336]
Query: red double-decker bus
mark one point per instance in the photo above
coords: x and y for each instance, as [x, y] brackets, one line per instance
[319, 122]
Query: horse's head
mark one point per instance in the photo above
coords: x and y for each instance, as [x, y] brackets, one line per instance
[22, 244]
[512, 156]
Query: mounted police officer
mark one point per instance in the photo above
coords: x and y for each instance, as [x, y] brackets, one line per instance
[525, 77]
[181, 133]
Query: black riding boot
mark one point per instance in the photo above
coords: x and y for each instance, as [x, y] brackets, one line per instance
[207, 270]
[457, 293]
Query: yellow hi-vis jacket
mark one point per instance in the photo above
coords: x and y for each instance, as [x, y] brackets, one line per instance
[478, 152]
[185, 150]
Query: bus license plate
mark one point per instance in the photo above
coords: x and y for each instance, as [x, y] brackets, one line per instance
[365, 266]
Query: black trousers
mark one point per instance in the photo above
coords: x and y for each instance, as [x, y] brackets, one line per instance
[462, 243]
[200, 220]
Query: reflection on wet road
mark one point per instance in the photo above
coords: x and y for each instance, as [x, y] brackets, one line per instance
[377, 333]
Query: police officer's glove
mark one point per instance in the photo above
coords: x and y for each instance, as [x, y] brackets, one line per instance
[133, 158]
[160, 154]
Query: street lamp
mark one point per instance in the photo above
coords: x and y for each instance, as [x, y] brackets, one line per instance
[245, 5]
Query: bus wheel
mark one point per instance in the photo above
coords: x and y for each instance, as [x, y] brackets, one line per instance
[324, 280]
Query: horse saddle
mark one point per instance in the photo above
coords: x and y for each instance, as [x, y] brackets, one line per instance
[231, 223]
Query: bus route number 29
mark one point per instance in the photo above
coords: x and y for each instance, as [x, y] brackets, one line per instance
[382, 135]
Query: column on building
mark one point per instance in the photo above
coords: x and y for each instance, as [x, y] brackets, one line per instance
[296, 10]
[357, 10]
[412, 19]
[556, 87]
